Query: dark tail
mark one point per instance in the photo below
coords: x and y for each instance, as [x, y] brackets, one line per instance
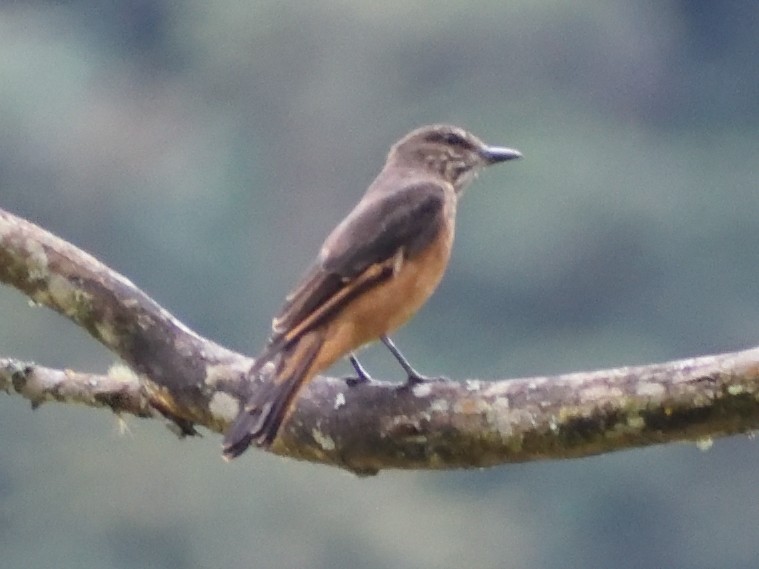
[260, 419]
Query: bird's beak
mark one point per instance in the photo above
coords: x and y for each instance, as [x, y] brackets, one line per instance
[495, 154]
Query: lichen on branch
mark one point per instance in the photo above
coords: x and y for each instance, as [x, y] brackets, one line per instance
[192, 381]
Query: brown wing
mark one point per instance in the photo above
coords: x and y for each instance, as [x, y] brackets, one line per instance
[362, 251]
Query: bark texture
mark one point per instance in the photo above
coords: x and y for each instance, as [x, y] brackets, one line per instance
[192, 382]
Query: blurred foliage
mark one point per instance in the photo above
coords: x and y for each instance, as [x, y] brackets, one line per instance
[204, 149]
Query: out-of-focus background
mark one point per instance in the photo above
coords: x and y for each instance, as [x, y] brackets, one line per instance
[204, 149]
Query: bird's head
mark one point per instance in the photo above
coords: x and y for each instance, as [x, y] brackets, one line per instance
[448, 151]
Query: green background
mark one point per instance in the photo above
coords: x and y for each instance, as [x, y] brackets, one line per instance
[204, 149]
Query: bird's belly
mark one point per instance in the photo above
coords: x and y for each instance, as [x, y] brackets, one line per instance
[388, 305]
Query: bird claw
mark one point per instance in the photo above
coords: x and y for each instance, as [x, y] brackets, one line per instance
[353, 381]
[362, 376]
[418, 379]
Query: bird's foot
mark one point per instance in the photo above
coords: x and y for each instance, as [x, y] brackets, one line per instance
[417, 378]
[353, 380]
[362, 376]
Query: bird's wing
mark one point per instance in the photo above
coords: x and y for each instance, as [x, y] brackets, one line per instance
[366, 248]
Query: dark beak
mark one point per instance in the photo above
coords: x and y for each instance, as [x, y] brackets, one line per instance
[495, 154]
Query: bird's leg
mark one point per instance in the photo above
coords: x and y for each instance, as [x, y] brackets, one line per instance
[362, 376]
[413, 377]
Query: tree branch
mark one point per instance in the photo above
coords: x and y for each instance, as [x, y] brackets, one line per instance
[120, 390]
[365, 428]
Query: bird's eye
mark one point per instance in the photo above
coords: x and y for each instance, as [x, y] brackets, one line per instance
[453, 139]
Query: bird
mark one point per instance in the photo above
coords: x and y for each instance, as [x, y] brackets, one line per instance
[377, 267]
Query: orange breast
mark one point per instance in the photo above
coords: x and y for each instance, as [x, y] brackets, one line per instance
[388, 305]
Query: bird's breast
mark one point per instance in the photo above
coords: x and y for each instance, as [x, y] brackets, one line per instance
[390, 303]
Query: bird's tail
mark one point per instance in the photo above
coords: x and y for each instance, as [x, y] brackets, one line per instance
[259, 421]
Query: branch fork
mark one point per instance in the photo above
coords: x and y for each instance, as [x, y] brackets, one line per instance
[177, 374]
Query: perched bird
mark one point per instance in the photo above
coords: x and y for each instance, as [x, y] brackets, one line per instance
[373, 272]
